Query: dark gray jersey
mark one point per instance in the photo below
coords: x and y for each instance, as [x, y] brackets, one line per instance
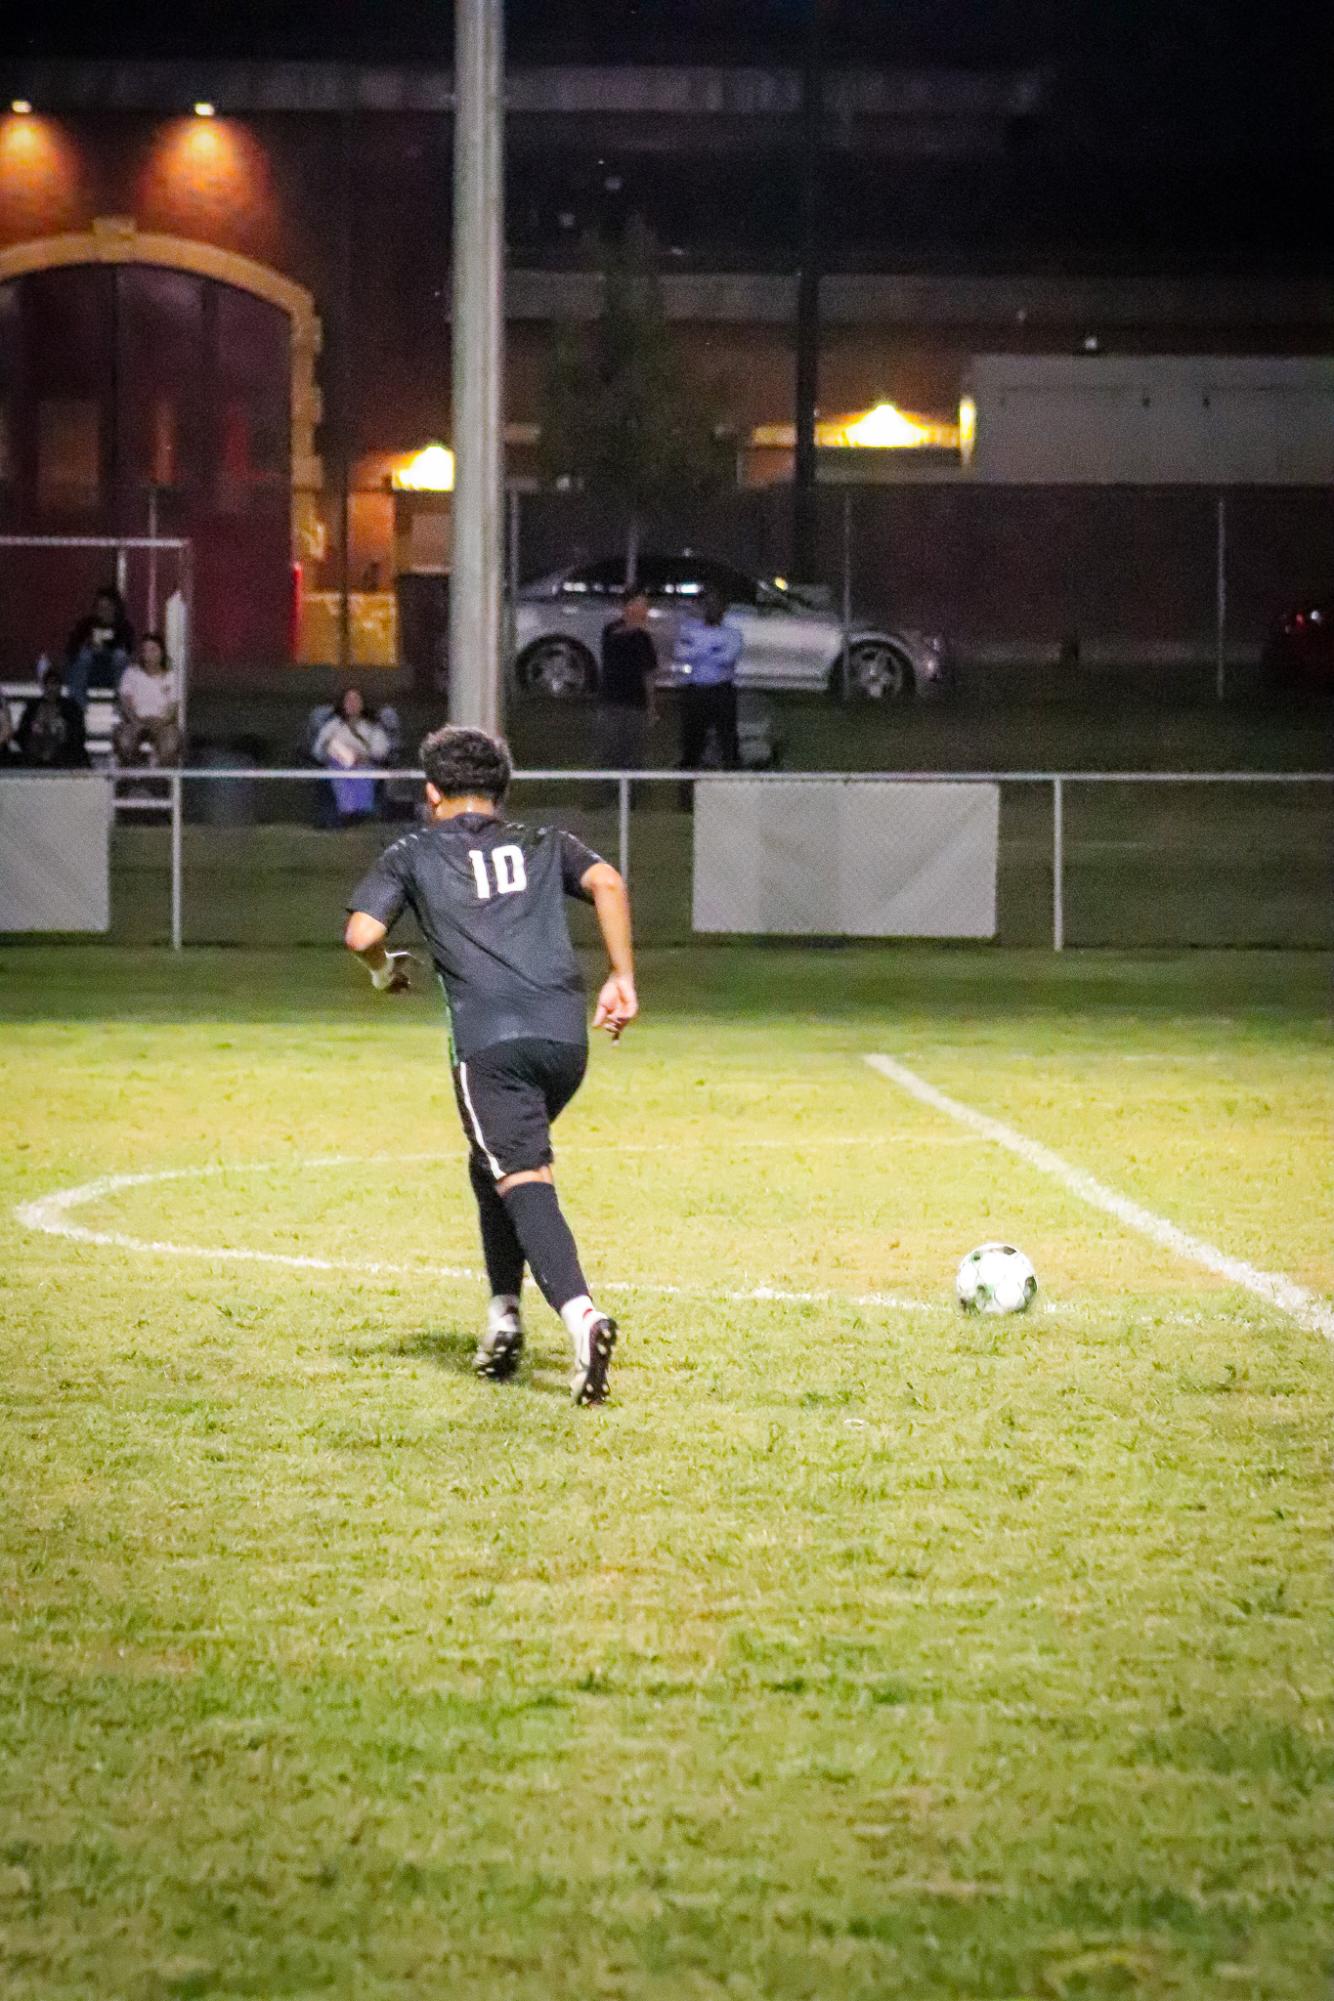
[489, 898]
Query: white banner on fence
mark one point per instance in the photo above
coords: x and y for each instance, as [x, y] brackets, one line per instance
[854, 858]
[55, 853]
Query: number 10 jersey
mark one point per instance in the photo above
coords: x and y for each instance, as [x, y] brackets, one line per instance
[489, 898]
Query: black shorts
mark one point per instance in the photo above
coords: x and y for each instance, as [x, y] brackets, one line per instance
[508, 1096]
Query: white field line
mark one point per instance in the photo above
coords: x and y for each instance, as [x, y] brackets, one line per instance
[53, 1216]
[1301, 1305]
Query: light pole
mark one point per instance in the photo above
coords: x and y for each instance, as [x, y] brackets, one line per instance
[804, 497]
[478, 363]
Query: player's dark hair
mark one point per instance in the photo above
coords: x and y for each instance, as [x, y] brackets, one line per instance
[461, 763]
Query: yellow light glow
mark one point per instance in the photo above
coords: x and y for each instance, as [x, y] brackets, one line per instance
[430, 470]
[205, 110]
[884, 427]
[967, 427]
[21, 107]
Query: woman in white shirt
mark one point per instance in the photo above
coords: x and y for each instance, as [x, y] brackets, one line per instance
[352, 738]
[149, 705]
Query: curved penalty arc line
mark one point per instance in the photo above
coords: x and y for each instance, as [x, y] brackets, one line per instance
[53, 1215]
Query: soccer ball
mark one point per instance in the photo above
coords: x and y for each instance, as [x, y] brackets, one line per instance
[996, 1278]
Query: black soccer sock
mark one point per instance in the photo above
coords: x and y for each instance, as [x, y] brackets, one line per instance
[500, 1245]
[548, 1243]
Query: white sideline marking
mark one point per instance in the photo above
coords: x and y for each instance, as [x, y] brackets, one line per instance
[53, 1215]
[1301, 1305]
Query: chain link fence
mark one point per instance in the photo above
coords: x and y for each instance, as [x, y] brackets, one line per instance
[1063, 588]
[1181, 585]
[1127, 860]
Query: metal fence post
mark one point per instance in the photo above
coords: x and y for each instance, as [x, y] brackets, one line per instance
[623, 823]
[846, 607]
[510, 645]
[177, 938]
[1220, 598]
[1057, 865]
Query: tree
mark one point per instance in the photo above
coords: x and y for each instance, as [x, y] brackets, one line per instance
[621, 416]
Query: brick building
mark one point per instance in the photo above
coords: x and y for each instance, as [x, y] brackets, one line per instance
[224, 294]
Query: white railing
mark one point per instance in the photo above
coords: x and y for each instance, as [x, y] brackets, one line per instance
[1056, 781]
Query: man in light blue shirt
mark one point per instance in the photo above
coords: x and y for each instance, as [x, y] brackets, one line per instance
[706, 656]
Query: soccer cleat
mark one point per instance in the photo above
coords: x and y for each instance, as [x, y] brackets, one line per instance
[592, 1358]
[499, 1350]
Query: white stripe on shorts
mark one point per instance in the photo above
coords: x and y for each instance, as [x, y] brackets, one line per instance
[477, 1133]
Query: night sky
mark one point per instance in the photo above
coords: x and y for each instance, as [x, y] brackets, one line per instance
[1173, 134]
[1213, 77]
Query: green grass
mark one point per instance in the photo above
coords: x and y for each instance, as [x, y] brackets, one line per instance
[1021, 719]
[853, 1653]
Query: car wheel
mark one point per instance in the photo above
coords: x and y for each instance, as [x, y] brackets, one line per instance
[558, 668]
[878, 672]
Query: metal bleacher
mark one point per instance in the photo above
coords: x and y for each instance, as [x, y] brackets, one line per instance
[151, 792]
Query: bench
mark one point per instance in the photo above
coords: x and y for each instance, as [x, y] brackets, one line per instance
[99, 722]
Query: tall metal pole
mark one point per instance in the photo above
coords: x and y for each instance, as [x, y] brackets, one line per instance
[344, 391]
[804, 499]
[479, 330]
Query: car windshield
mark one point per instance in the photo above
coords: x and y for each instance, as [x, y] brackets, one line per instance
[682, 580]
[599, 580]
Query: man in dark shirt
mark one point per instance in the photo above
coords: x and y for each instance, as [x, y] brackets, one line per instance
[489, 899]
[625, 692]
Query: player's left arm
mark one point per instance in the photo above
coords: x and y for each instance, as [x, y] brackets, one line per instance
[365, 935]
[617, 1003]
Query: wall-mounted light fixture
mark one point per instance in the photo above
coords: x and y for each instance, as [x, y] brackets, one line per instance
[431, 470]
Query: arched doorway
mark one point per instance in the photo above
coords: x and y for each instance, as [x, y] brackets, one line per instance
[150, 380]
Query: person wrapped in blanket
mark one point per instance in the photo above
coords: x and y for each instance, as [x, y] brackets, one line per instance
[353, 739]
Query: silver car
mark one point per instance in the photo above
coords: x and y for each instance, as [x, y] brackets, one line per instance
[559, 619]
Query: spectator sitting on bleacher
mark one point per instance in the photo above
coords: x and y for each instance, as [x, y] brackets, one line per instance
[352, 736]
[149, 705]
[51, 728]
[99, 647]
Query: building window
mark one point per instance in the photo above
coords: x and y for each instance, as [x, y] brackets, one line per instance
[69, 457]
[253, 453]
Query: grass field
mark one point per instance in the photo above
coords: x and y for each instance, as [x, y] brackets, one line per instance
[858, 1651]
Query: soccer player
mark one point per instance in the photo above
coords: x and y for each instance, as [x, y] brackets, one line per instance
[488, 896]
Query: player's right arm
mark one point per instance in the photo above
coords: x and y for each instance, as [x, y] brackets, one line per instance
[365, 935]
[375, 905]
[617, 1003]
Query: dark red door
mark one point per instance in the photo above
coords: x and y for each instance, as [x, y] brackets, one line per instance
[135, 397]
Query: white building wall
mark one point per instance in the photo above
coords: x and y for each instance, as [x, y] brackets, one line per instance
[1153, 419]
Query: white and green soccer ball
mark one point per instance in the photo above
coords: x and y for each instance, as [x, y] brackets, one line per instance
[996, 1278]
